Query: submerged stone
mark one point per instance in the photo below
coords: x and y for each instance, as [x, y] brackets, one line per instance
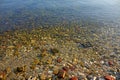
[85, 45]
[54, 50]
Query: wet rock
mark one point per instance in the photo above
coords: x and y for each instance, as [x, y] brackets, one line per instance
[55, 71]
[61, 74]
[2, 55]
[8, 70]
[81, 76]
[59, 60]
[33, 41]
[44, 53]
[100, 78]
[109, 77]
[90, 77]
[32, 78]
[42, 77]
[54, 51]
[20, 69]
[85, 45]
[65, 68]
[2, 75]
[74, 78]
[110, 63]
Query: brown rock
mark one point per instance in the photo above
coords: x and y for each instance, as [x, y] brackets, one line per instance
[59, 60]
[74, 78]
[61, 74]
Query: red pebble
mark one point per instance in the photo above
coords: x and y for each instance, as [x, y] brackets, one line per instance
[110, 63]
[108, 77]
[74, 78]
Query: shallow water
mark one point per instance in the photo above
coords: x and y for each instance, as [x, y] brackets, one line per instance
[33, 13]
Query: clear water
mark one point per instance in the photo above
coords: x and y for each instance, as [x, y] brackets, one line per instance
[33, 13]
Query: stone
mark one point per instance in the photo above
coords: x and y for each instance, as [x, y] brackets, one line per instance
[20, 69]
[55, 71]
[2, 75]
[72, 68]
[74, 78]
[42, 77]
[65, 68]
[90, 77]
[110, 63]
[54, 51]
[59, 60]
[109, 77]
[61, 74]
[32, 78]
[86, 45]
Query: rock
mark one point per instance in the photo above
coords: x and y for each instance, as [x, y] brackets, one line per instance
[42, 77]
[74, 78]
[33, 41]
[102, 62]
[85, 45]
[110, 63]
[109, 77]
[49, 61]
[59, 60]
[54, 51]
[61, 74]
[32, 78]
[90, 77]
[50, 72]
[72, 68]
[65, 68]
[8, 70]
[11, 47]
[44, 53]
[100, 78]
[55, 71]
[81, 76]
[20, 69]
[2, 75]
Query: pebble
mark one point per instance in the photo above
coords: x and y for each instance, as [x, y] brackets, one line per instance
[61, 74]
[2, 76]
[21, 69]
[74, 78]
[59, 60]
[109, 77]
[65, 68]
[110, 63]
[32, 78]
[42, 77]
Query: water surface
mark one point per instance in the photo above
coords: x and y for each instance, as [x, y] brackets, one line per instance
[33, 13]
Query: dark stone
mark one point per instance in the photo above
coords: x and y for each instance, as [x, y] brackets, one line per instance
[85, 45]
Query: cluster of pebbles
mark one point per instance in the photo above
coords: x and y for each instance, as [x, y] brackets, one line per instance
[60, 53]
